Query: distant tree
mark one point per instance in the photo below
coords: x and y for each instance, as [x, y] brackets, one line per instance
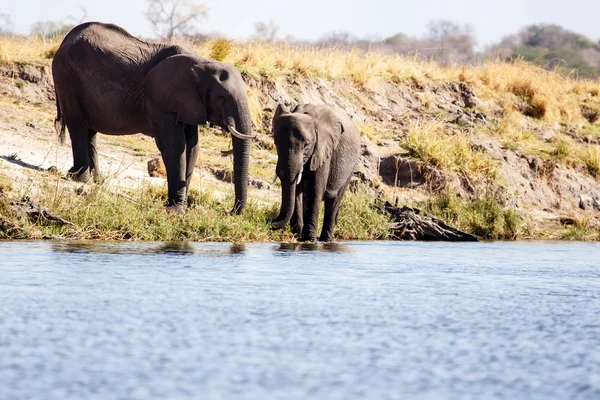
[170, 18]
[337, 39]
[79, 20]
[552, 47]
[450, 42]
[5, 24]
[397, 40]
[445, 42]
[266, 31]
[50, 28]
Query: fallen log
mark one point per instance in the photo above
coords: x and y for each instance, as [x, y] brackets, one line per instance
[36, 213]
[408, 224]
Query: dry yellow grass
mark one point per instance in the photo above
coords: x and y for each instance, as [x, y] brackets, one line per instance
[31, 48]
[549, 95]
[429, 141]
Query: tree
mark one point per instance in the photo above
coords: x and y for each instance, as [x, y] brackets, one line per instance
[5, 23]
[266, 31]
[80, 19]
[170, 18]
[552, 47]
[333, 39]
[451, 42]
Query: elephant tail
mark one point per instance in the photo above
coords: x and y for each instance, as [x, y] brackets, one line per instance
[59, 123]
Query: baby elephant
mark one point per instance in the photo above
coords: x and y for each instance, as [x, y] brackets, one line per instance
[317, 151]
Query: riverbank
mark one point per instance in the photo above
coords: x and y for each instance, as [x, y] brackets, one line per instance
[503, 151]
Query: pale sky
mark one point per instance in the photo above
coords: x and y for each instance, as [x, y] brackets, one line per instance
[310, 19]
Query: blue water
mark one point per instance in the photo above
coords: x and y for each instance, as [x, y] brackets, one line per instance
[381, 320]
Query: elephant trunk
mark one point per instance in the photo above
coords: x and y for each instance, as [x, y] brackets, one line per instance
[241, 155]
[288, 198]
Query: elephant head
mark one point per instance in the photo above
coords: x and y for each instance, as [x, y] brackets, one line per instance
[198, 91]
[305, 138]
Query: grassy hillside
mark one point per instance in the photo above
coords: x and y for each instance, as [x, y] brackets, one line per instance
[503, 150]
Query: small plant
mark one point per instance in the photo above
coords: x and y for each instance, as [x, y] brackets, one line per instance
[592, 160]
[563, 148]
[51, 52]
[537, 106]
[20, 84]
[220, 49]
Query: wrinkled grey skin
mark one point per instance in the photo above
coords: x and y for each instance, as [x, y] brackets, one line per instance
[325, 147]
[110, 82]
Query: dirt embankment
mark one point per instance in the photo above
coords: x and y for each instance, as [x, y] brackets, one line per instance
[545, 190]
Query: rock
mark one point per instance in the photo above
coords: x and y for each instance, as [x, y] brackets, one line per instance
[354, 184]
[31, 74]
[368, 164]
[222, 174]
[53, 170]
[156, 168]
[226, 175]
[569, 221]
[402, 172]
[591, 114]
[468, 95]
[257, 183]
[388, 143]
[586, 202]
[30, 125]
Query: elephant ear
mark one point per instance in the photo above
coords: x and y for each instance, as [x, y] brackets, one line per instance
[173, 86]
[281, 109]
[329, 129]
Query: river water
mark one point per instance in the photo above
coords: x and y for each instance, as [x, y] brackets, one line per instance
[377, 320]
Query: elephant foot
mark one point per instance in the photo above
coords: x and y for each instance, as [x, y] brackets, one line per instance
[276, 225]
[297, 230]
[308, 239]
[326, 239]
[175, 208]
[79, 174]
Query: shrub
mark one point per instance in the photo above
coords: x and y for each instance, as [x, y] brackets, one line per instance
[592, 160]
[484, 216]
[220, 49]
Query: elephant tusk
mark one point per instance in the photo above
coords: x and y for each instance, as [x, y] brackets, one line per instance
[299, 178]
[238, 135]
[274, 180]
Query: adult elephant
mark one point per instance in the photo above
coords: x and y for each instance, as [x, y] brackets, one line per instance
[110, 82]
[317, 151]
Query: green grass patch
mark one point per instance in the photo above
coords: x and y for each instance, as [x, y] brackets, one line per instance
[563, 148]
[592, 131]
[483, 216]
[592, 160]
[98, 212]
[359, 220]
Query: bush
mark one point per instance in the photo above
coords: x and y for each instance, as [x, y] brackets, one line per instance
[220, 49]
[483, 216]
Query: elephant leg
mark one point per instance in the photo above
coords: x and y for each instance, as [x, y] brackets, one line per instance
[78, 133]
[171, 142]
[191, 149]
[332, 207]
[314, 187]
[93, 154]
[297, 221]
